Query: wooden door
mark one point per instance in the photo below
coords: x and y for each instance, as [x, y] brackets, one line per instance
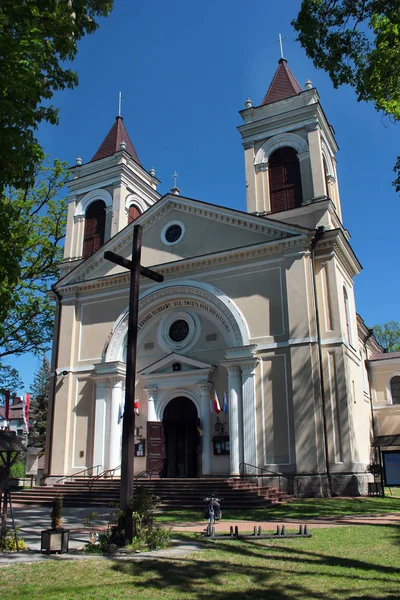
[155, 447]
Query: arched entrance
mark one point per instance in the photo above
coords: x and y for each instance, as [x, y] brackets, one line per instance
[181, 436]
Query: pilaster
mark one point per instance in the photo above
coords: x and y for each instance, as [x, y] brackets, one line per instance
[206, 427]
[249, 414]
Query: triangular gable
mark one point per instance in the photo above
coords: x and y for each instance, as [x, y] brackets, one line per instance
[168, 365]
[213, 229]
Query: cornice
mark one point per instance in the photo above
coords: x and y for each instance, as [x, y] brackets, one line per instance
[190, 264]
[335, 240]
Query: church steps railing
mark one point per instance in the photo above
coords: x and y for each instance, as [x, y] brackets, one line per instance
[80, 473]
[105, 474]
[271, 475]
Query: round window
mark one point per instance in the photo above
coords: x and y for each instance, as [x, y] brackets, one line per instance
[172, 233]
[178, 330]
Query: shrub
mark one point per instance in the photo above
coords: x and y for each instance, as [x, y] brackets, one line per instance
[158, 538]
[8, 543]
[17, 470]
[56, 513]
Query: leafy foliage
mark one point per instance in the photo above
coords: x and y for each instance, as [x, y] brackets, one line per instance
[388, 335]
[9, 380]
[8, 543]
[40, 224]
[37, 42]
[38, 405]
[357, 42]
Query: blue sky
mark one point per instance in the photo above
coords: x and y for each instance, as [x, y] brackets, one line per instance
[185, 69]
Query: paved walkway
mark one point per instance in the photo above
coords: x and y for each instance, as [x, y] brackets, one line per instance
[33, 519]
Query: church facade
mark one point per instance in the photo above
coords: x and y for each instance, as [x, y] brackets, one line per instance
[256, 310]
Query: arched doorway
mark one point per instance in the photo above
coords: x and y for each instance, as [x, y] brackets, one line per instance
[181, 438]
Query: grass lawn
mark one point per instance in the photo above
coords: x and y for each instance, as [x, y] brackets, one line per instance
[305, 508]
[338, 563]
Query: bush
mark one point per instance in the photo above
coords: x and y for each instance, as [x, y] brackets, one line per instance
[8, 543]
[158, 538]
[17, 471]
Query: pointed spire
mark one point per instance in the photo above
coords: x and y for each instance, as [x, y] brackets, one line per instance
[284, 84]
[112, 142]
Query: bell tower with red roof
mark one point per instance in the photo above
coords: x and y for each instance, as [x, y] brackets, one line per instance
[290, 151]
[106, 194]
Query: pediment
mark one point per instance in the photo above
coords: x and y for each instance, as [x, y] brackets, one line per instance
[175, 364]
[209, 230]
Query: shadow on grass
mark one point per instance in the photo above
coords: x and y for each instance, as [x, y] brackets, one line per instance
[255, 570]
[314, 508]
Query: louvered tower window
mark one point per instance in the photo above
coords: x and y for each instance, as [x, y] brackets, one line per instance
[395, 389]
[284, 180]
[133, 213]
[95, 223]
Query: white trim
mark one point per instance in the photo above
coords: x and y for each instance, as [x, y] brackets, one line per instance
[203, 292]
[85, 202]
[137, 201]
[169, 395]
[279, 141]
[193, 322]
[165, 229]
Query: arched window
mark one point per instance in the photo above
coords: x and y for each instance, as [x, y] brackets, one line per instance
[395, 389]
[326, 176]
[347, 314]
[284, 180]
[95, 223]
[133, 213]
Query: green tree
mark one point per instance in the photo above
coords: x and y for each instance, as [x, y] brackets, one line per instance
[41, 212]
[38, 405]
[357, 42]
[388, 335]
[38, 40]
[9, 380]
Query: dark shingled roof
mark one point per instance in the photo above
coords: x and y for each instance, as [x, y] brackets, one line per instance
[9, 442]
[284, 84]
[111, 142]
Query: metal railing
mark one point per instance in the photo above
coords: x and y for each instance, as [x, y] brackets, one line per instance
[73, 475]
[271, 475]
[148, 472]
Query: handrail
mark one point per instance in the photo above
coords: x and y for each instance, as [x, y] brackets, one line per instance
[102, 474]
[78, 473]
[271, 473]
[141, 474]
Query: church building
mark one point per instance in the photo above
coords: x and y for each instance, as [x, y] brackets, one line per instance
[256, 313]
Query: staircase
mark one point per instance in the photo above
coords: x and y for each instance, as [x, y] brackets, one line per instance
[174, 493]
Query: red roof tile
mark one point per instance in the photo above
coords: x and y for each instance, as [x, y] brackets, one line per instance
[284, 84]
[111, 142]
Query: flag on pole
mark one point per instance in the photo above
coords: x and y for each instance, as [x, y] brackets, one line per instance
[136, 406]
[7, 411]
[225, 404]
[25, 410]
[217, 406]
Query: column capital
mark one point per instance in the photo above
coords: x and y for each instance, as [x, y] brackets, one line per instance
[205, 386]
[248, 368]
[79, 218]
[261, 167]
[151, 392]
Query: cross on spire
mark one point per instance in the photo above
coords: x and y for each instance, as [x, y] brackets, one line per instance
[280, 41]
[120, 96]
[175, 176]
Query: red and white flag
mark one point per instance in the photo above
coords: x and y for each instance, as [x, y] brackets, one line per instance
[25, 410]
[136, 406]
[217, 406]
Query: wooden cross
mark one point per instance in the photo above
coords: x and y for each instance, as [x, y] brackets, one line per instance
[128, 426]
